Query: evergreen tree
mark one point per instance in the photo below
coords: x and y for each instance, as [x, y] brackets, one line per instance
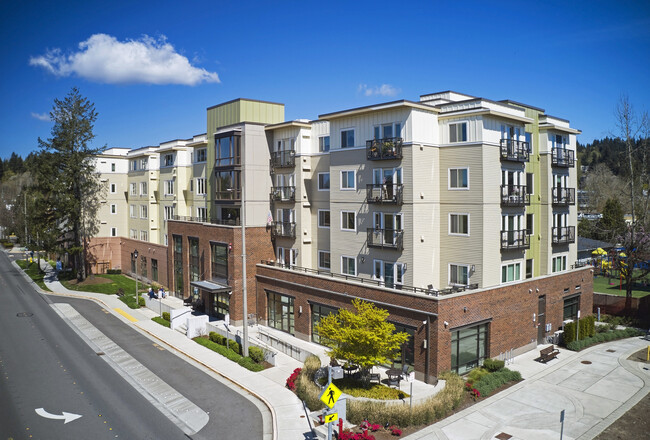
[67, 189]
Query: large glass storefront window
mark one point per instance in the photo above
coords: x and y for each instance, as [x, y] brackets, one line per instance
[219, 260]
[195, 274]
[317, 312]
[220, 304]
[143, 266]
[178, 264]
[468, 347]
[571, 307]
[280, 312]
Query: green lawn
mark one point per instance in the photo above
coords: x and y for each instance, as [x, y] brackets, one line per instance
[602, 285]
[117, 282]
[31, 269]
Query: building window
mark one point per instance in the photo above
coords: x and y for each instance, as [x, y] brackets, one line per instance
[458, 274]
[202, 213]
[133, 234]
[154, 269]
[510, 272]
[143, 266]
[133, 188]
[324, 260]
[347, 138]
[113, 209]
[169, 187]
[389, 273]
[168, 213]
[529, 224]
[280, 312]
[166, 240]
[133, 165]
[143, 211]
[324, 144]
[200, 186]
[143, 163]
[195, 273]
[132, 211]
[144, 236]
[468, 348]
[348, 180]
[571, 307]
[143, 188]
[113, 232]
[458, 178]
[219, 260]
[112, 167]
[387, 131]
[287, 257]
[168, 160]
[529, 268]
[201, 155]
[323, 218]
[220, 304]
[227, 151]
[113, 188]
[348, 221]
[459, 224]
[228, 185]
[559, 263]
[323, 181]
[458, 132]
[529, 183]
[349, 266]
[178, 264]
[319, 312]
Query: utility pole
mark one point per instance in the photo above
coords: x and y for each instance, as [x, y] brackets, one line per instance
[25, 203]
[243, 258]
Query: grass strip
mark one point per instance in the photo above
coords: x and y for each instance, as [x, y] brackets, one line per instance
[31, 269]
[245, 362]
[161, 321]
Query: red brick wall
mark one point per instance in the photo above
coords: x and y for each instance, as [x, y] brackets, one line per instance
[149, 251]
[509, 308]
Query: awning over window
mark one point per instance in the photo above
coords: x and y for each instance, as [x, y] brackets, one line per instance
[211, 286]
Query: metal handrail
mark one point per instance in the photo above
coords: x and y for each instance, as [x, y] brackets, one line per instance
[514, 195]
[514, 150]
[384, 193]
[564, 234]
[562, 157]
[185, 218]
[518, 239]
[386, 238]
[384, 149]
[564, 196]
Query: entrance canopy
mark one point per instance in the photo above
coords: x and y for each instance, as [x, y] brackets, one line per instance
[211, 286]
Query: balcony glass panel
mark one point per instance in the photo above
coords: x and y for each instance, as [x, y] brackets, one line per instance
[384, 149]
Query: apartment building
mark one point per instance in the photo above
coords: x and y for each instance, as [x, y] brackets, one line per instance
[455, 213]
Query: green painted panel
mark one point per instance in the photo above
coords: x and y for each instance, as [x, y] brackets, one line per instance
[535, 208]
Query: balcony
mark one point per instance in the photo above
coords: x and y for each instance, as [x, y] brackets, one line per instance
[513, 240]
[385, 193]
[561, 157]
[384, 149]
[214, 221]
[283, 159]
[564, 235]
[283, 193]
[283, 229]
[514, 151]
[514, 195]
[386, 238]
[564, 196]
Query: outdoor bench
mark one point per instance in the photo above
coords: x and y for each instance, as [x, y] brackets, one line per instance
[548, 353]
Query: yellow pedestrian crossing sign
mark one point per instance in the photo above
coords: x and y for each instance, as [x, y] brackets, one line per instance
[329, 418]
[330, 395]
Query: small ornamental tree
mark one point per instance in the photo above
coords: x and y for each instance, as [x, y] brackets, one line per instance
[362, 337]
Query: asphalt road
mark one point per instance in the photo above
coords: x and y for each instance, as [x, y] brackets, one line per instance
[45, 364]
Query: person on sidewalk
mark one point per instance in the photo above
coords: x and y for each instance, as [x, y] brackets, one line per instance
[152, 294]
[161, 292]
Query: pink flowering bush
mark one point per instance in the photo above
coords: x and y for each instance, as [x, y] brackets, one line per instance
[475, 393]
[291, 381]
[347, 435]
[394, 430]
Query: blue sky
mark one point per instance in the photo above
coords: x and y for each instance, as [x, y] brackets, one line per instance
[152, 68]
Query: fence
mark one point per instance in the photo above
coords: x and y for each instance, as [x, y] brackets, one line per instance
[615, 305]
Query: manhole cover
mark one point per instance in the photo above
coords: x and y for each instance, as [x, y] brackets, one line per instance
[24, 314]
[503, 436]
[610, 351]
[586, 362]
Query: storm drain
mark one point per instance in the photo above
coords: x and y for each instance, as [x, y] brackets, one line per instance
[586, 362]
[503, 436]
[24, 314]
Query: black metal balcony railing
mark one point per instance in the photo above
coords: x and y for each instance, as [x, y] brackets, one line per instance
[564, 235]
[370, 281]
[384, 149]
[564, 196]
[386, 238]
[214, 221]
[514, 195]
[561, 157]
[514, 151]
[385, 193]
[283, 159]
[518, 239]
[283, 193]
[283, 229]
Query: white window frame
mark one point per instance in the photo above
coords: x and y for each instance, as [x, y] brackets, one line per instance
[346, 257]
[398, 271]
[450, 223]
[563, 259]
[319, 260]
[168, 212]
[143, 188]
[515, 264]
[457, 188]
[395, 173]
[200, 186]
[328, 181]
[134, 234]
[169, 185]
[113, 188]
[143, 163]
[144, 235]
[166, 240]
[346, 130]
[133, 189]
[113, 232]
[166, 162]
[113, 209]
[354, 213]
[202, 212]
[133, 213]
[293, 256]
[321, 144]
[205, 155]
[450, 268]
[459, 124]
[112, 167]
[319, 218]
[345, 180]
[144, 211]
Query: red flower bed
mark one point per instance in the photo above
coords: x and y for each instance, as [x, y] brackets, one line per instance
[291, 381]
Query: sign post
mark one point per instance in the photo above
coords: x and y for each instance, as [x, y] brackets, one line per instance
[562, 424]
[329, 396]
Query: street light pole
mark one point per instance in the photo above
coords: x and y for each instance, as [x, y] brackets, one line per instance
[243, 258]
[135, 256]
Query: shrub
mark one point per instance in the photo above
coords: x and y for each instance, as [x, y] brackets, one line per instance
[141, 302]
[493, 365]
[249, 364]
[234, 346]
[347, 435]
[114, 271]
[306, 389]
[291, 380]
[166, 316]
[603, 337]
[244, 362]
[394, 430]
[476, 374]
[161, 321]
[586, 326]
[256, 354]
[492, 381]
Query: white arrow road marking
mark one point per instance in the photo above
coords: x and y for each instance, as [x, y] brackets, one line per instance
[66, 416]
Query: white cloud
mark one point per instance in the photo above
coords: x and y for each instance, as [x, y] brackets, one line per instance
[382, 90]
[41, 116]
[104, 59]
